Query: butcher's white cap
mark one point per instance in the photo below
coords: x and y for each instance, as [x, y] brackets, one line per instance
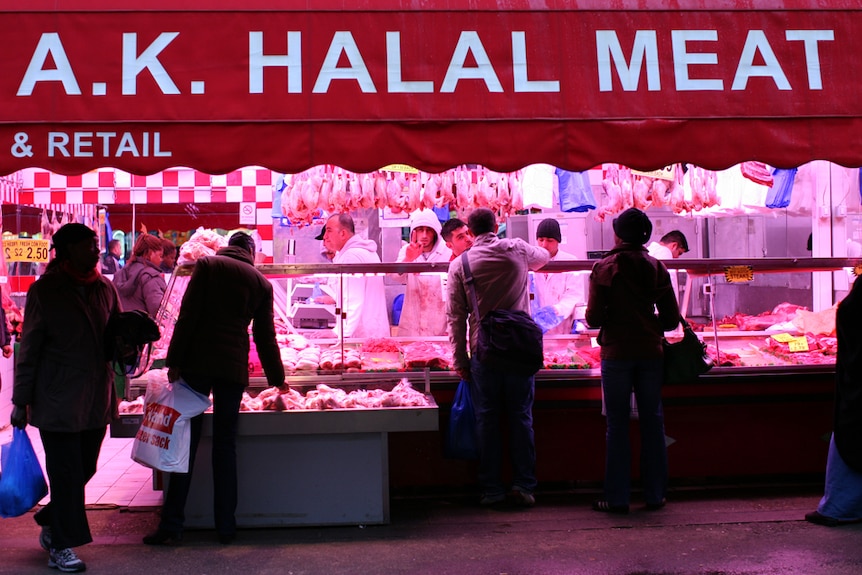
[425, 218]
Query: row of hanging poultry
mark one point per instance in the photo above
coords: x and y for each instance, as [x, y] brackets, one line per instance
[684, 189]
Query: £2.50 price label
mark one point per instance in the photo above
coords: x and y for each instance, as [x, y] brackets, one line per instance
[26, 250]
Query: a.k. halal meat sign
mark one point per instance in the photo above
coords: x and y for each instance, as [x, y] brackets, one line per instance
[106, 86]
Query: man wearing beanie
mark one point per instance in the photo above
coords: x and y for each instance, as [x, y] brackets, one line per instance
[626, 288]
[424, 311]
[557, 293]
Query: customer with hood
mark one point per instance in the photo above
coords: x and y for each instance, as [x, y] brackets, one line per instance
[362, 298]
[64, 384]
[424, 310]
[141, 282]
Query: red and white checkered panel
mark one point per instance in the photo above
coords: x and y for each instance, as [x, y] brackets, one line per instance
[10, 186]
[176, 186]
[108, 186]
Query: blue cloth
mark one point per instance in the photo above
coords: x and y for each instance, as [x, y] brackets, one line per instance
[227, 396]
[497, 393]
[576, 194]
[397, 306]
[619, 378]
[546, 318]
[842, 496]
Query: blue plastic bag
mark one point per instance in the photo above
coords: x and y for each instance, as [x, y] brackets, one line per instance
[778, 195]
[22, 484]
[576, 194]
[461, 440]
[546, 318]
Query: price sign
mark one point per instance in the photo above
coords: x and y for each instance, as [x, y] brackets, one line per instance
[665, 173]
[793, 342]
[404, 168]
[738, 274]
[798, 344]
[26, 250]
[783, 337]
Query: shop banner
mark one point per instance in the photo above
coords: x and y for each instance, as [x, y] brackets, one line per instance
[220, 85]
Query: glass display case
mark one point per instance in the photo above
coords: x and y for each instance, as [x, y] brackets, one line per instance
[752, 313]
[756, 316]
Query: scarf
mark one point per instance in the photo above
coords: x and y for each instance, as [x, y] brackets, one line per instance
[78, 277]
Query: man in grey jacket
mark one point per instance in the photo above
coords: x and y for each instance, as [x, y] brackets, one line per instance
[499, 268]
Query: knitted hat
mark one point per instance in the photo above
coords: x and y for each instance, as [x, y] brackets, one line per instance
[633, 226]
[70, 234]
[549, 228]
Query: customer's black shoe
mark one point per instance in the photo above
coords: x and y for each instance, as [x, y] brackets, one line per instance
[820, 519]
[226, 538]
[656, 506]
[605, 507]
[523, 498]
[162, 537]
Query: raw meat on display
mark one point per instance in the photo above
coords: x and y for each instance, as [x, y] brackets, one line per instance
[421, 354]
[325, 397]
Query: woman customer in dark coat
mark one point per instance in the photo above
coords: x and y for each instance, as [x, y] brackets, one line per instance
[626, 288]
[64, 384]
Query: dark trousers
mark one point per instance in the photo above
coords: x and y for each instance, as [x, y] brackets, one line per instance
[226, 400]
[645, 378]
[70, 460]
[495, 394]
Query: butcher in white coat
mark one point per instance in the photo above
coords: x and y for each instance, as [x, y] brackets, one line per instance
[362, 298]
[562, 290]
[671, 245]
[424, 309]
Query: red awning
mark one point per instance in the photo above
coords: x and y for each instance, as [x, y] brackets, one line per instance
[291, 84]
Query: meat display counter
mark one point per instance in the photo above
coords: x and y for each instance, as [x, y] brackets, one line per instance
[764, 410]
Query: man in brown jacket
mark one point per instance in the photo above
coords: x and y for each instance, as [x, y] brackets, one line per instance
[209, 350]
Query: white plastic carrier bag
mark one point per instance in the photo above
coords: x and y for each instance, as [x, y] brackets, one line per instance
[162, 441]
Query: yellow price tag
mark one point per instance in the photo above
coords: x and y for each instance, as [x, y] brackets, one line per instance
[738, 274]
[665, 173]
[404, 168]
[783, 337]
[24, 250]
[798, 344]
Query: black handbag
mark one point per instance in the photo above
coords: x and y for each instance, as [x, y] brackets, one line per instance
[685, 359]
[508, 340]
[126, 335]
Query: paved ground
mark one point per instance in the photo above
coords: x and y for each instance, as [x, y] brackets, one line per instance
[709, 532]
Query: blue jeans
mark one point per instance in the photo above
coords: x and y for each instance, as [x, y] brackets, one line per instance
[645, 377]
[842, 497]
[497, 393]
[227, 396]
